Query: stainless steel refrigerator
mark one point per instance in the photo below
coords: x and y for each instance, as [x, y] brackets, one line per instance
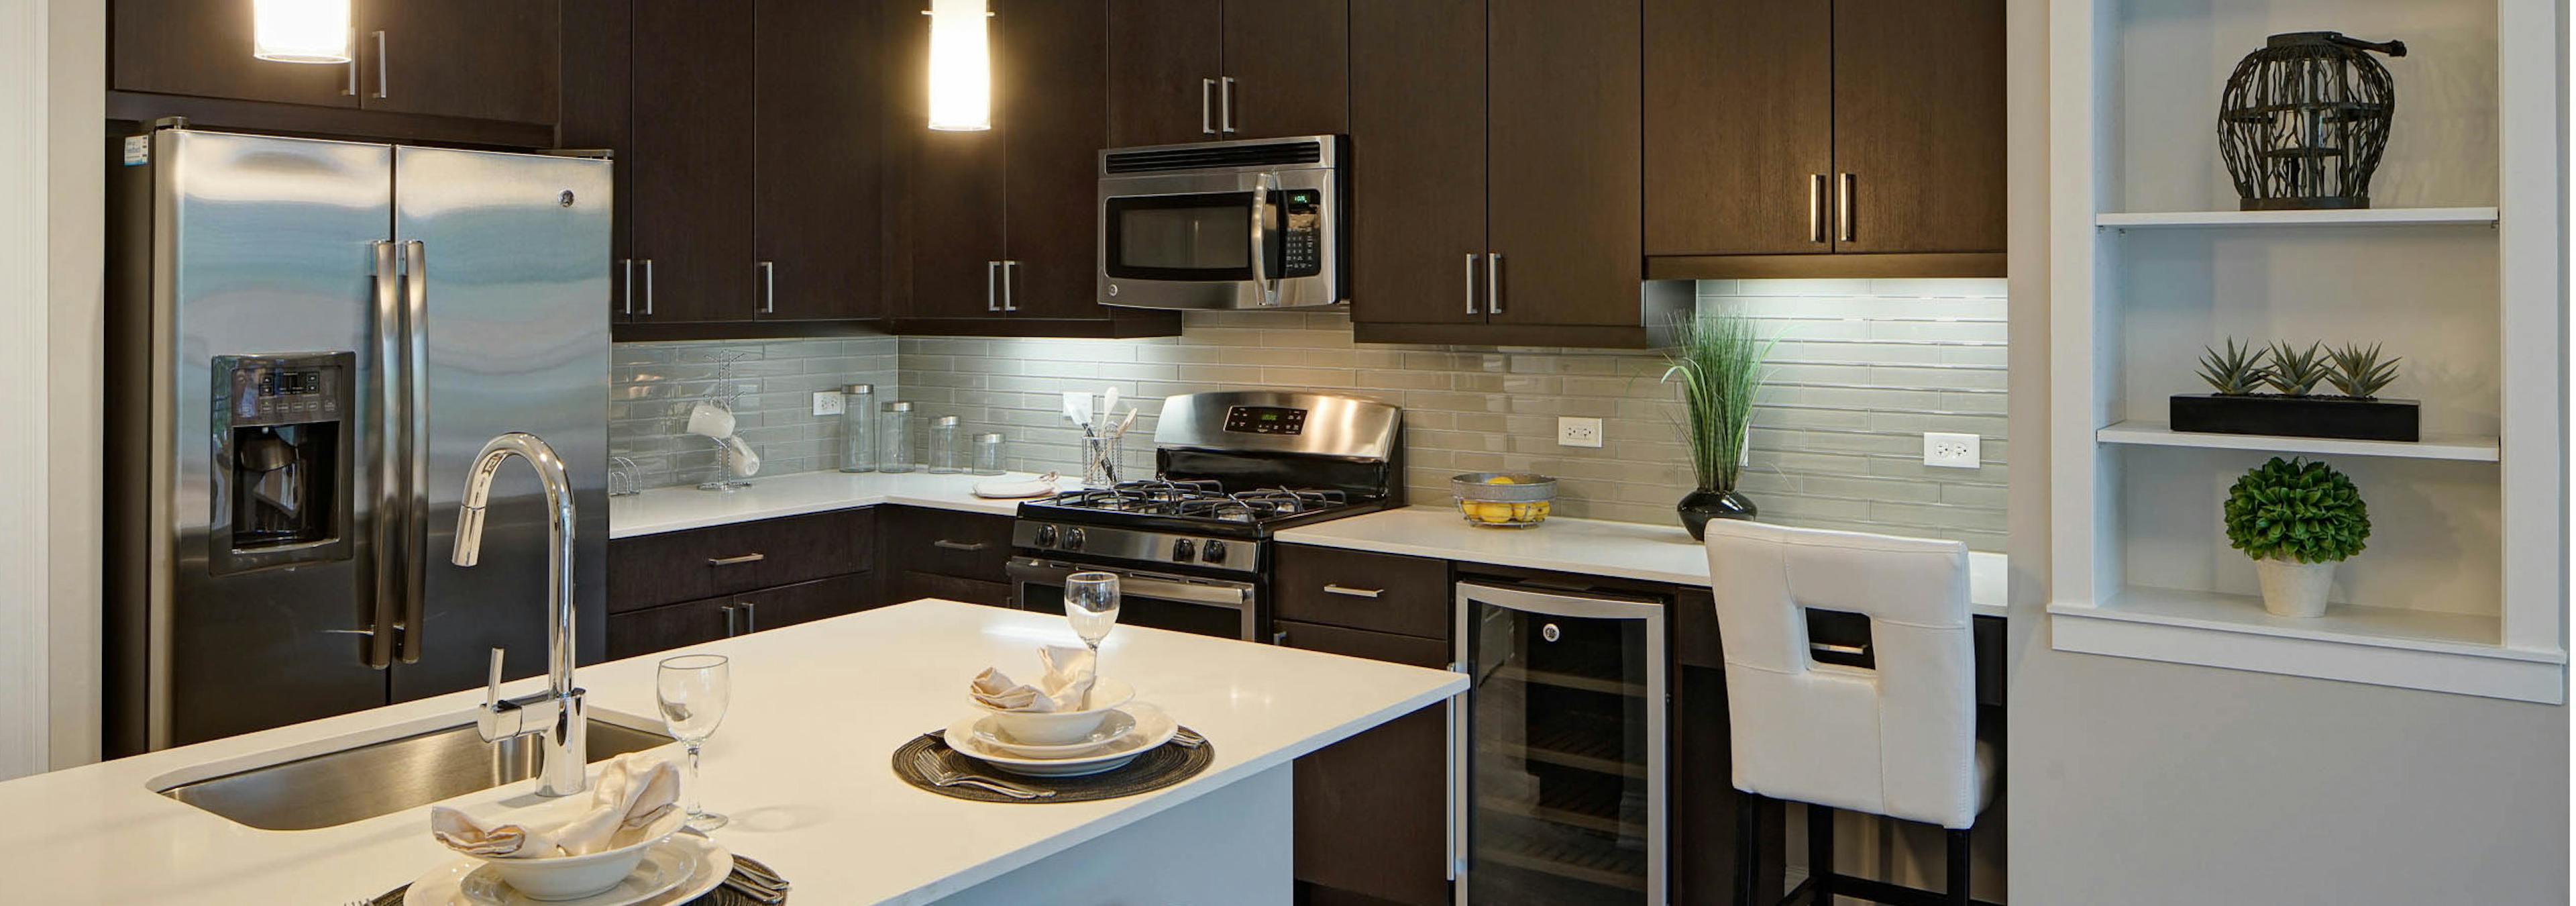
[308, 340]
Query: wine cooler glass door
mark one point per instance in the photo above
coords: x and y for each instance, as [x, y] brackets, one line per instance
[1564, 748]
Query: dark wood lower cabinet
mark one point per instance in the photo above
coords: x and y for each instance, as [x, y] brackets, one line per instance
[1372, 811]
[909, 585]
[668, 626]
[804, 602]
[688, 623]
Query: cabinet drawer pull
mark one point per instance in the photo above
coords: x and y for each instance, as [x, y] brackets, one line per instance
[736, 561]
[946, 544]
[731, 627]
[1353, 592]
[750, 615]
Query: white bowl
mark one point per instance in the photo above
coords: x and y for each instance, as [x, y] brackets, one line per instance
[575, 877]
[1055, 728]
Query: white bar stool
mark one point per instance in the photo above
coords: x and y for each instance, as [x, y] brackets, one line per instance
[1889, 730]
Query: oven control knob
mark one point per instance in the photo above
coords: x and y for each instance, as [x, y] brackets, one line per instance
[1215, 552]
[1073, 539]
[1046, 536]
[1182, 550]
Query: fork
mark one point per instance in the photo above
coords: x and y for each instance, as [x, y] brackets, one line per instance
[941, 774]
[1188, 738]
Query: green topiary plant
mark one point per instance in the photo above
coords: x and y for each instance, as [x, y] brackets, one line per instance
[2296, 510]
[2294, 371]
[2236, 372]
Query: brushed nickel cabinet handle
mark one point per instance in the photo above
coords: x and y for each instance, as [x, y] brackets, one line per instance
[768, 287]
[750, 615]
[736, 561]
[1471, 283]
[1816, 208]
[732, 627]
[992, 274]
[1207, 124]
[1493, 283]
[648, 287]
[382, 84]
[628, 306]
[1225, 103]
[1848, 209]
[946, 544]
[1330, 588]
[1009, 267]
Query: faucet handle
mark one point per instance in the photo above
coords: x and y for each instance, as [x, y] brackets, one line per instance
[492, 682]
[490, 720]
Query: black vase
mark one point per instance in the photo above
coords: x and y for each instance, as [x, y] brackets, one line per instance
[1704, 505]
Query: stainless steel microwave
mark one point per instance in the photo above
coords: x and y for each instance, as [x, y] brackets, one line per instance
[1224, 225]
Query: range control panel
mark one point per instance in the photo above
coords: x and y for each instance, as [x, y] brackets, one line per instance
[1301, 216]
[1265, 420]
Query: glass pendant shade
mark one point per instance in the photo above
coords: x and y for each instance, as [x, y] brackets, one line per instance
[300, 31]
[961, 66]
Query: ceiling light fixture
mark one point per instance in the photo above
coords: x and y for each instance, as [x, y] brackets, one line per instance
[961, 66]
[300, 31]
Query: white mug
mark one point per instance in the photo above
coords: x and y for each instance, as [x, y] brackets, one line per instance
[745, 462]
[710, 420]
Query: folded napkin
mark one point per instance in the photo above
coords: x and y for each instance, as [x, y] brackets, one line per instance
[636, 798]
[1068, 676]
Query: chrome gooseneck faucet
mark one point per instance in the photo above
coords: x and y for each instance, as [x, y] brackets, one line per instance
[556, 713]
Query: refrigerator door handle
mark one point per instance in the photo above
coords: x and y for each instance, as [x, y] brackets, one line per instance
[415, 380]
[384, 436]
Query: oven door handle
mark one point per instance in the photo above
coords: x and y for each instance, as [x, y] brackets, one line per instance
[1186, 592]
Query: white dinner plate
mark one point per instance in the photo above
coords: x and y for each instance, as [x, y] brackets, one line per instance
[1114, 727]
[1153, 728]
[709, 862]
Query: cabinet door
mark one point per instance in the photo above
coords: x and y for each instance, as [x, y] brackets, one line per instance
[1919, 126]
[1739, 124]
[479, 59]
[1162, 54]
[1563, 148]
[789, 605]
[1372, 811]
[669, 626]
[816, 105]
[596, 64]
[1049, 76]
[202, 48]
[1290, 61]
[1418, 161]
[691, 157]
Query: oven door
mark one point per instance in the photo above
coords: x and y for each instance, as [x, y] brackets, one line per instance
[1219, 240]
[1162, 601]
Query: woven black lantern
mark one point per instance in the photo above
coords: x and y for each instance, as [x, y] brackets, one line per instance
[2304, 119]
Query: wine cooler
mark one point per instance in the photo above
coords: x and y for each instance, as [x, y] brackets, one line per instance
[1559, 753]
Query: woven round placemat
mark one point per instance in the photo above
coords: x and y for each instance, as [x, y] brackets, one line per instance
[721, 896]
[1165, 765]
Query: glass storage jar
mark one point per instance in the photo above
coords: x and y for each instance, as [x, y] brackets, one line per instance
[894, 438]
[858, 428]
[986, 455]
[947, 446]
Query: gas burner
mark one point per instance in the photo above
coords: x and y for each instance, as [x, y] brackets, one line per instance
[1202, 500]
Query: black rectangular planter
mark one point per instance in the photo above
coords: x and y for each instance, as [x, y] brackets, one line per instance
[2297, 416]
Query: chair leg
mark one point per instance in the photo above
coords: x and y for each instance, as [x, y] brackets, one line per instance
[1958, 845]
[1820, 853]
[1748, 848]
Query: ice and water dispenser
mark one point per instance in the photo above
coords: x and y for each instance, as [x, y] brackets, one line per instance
[283, 457]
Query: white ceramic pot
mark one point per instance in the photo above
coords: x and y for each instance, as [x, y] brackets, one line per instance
[2294, 589]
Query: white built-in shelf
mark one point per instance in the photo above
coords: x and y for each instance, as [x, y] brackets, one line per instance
[2362, 217]
[2467, 447]
[2388, 646]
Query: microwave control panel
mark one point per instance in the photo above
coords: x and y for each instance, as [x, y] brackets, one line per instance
[1301, 232]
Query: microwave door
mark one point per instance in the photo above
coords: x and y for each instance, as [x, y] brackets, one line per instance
[1180, 250]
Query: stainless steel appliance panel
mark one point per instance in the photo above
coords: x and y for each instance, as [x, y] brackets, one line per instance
[1201, 606]
[260, 246]
[1335, 426]
[512, 264]
[1253, 224]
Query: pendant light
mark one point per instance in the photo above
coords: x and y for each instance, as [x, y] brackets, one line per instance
[300, 31]
[961, 66]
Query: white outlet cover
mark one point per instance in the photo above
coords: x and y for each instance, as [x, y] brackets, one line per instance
[1578, 432]
[827, 402]
[1951, 451]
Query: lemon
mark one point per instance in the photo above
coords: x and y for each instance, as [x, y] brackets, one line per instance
[1501, 479]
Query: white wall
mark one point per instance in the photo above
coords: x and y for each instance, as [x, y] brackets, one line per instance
[2135, 782]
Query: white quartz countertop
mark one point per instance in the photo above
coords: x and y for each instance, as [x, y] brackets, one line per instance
[1633, 550]
[800, 764]
[686, 507]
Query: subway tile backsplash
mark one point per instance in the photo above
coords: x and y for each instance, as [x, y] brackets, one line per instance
[1863, 368]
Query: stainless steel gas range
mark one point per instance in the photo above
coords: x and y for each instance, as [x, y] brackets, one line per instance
[1192, 546]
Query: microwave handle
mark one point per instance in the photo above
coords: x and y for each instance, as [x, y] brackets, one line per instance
[1264, 186]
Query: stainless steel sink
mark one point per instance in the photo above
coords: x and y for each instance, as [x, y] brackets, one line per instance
[385, 777]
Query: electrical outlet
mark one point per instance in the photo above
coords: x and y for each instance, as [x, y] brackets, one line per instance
[1950, 451]
[827, 402]
[1578, 432]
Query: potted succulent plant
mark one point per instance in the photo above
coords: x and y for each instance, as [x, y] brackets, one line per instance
[1717, 358]
[2296, 519]
[2239, 374]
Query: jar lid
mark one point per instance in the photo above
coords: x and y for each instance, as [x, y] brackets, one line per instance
[898, 407]
[857, 389]
[993, 438]
[944, 421]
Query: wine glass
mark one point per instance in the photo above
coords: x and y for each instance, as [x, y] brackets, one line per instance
[693, 690]
[1091, 604]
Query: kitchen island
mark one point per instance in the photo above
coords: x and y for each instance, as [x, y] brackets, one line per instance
[801, 766]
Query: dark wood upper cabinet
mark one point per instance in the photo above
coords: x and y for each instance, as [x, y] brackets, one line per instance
[202, 48]
[1919, 125]
[1562, 162]
[815, 113]
[1778, 131]
[1165, 57]
[1418, 166]
[1056, 132]
[690, 151]
[596, 97]
[1739, 126]
[478, 59]
[1200, 70]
